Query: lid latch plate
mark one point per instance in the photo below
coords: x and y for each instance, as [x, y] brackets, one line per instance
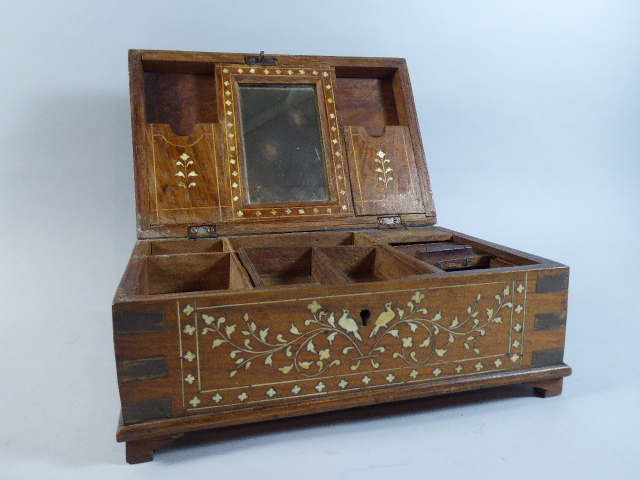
[202, 231]
[391, 221]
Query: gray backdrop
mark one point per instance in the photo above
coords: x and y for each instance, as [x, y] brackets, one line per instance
[530, 114]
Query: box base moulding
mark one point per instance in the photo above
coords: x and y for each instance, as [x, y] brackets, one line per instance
[142, 440]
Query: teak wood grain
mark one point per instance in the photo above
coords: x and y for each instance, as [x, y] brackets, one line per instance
[305, 307]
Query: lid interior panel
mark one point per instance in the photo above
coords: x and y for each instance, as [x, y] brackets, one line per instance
[197, 163]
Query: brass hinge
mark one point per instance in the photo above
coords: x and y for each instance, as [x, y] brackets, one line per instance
[261, 60]
[202, 231]
[393, 221]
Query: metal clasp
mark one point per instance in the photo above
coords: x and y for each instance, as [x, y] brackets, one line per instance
[261, 60]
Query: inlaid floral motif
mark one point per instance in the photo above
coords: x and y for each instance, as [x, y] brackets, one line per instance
[186, 173]
[384, 169]
[408, 333]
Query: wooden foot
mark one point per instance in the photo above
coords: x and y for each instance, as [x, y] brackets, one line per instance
[547, 388]
[140, 451]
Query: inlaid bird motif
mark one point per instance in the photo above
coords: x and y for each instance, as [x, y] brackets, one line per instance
[349, 324]
[383, 319]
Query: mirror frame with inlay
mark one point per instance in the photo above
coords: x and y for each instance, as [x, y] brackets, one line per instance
[232, 77]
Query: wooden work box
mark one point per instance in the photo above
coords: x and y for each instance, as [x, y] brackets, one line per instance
[287, 262]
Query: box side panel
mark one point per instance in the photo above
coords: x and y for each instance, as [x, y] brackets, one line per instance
[148, 371]
[547, 304]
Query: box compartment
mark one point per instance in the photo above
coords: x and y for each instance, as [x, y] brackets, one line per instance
[192, 272]
[370, 264]
[370, 97]
[308, 239]
[281, 266]
[453, 256]
[181, 100]
[183, 246]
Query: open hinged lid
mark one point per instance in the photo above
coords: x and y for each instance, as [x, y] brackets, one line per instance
[234, 143]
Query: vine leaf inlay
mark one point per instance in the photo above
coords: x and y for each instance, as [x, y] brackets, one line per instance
[419, 336]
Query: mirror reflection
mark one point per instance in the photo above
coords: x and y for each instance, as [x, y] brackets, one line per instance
[283, 144]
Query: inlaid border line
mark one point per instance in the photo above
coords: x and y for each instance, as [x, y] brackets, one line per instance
[175, 144]
[524, 317]
[195, 323]
[347, 391]
[181, 353]
[348, 295]
[513, 301]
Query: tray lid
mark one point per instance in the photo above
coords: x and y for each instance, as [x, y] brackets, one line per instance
[235, 143]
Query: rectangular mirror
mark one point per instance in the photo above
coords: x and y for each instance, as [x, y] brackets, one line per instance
[283, 146]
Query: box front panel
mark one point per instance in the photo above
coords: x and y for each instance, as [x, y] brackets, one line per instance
[291, 350]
